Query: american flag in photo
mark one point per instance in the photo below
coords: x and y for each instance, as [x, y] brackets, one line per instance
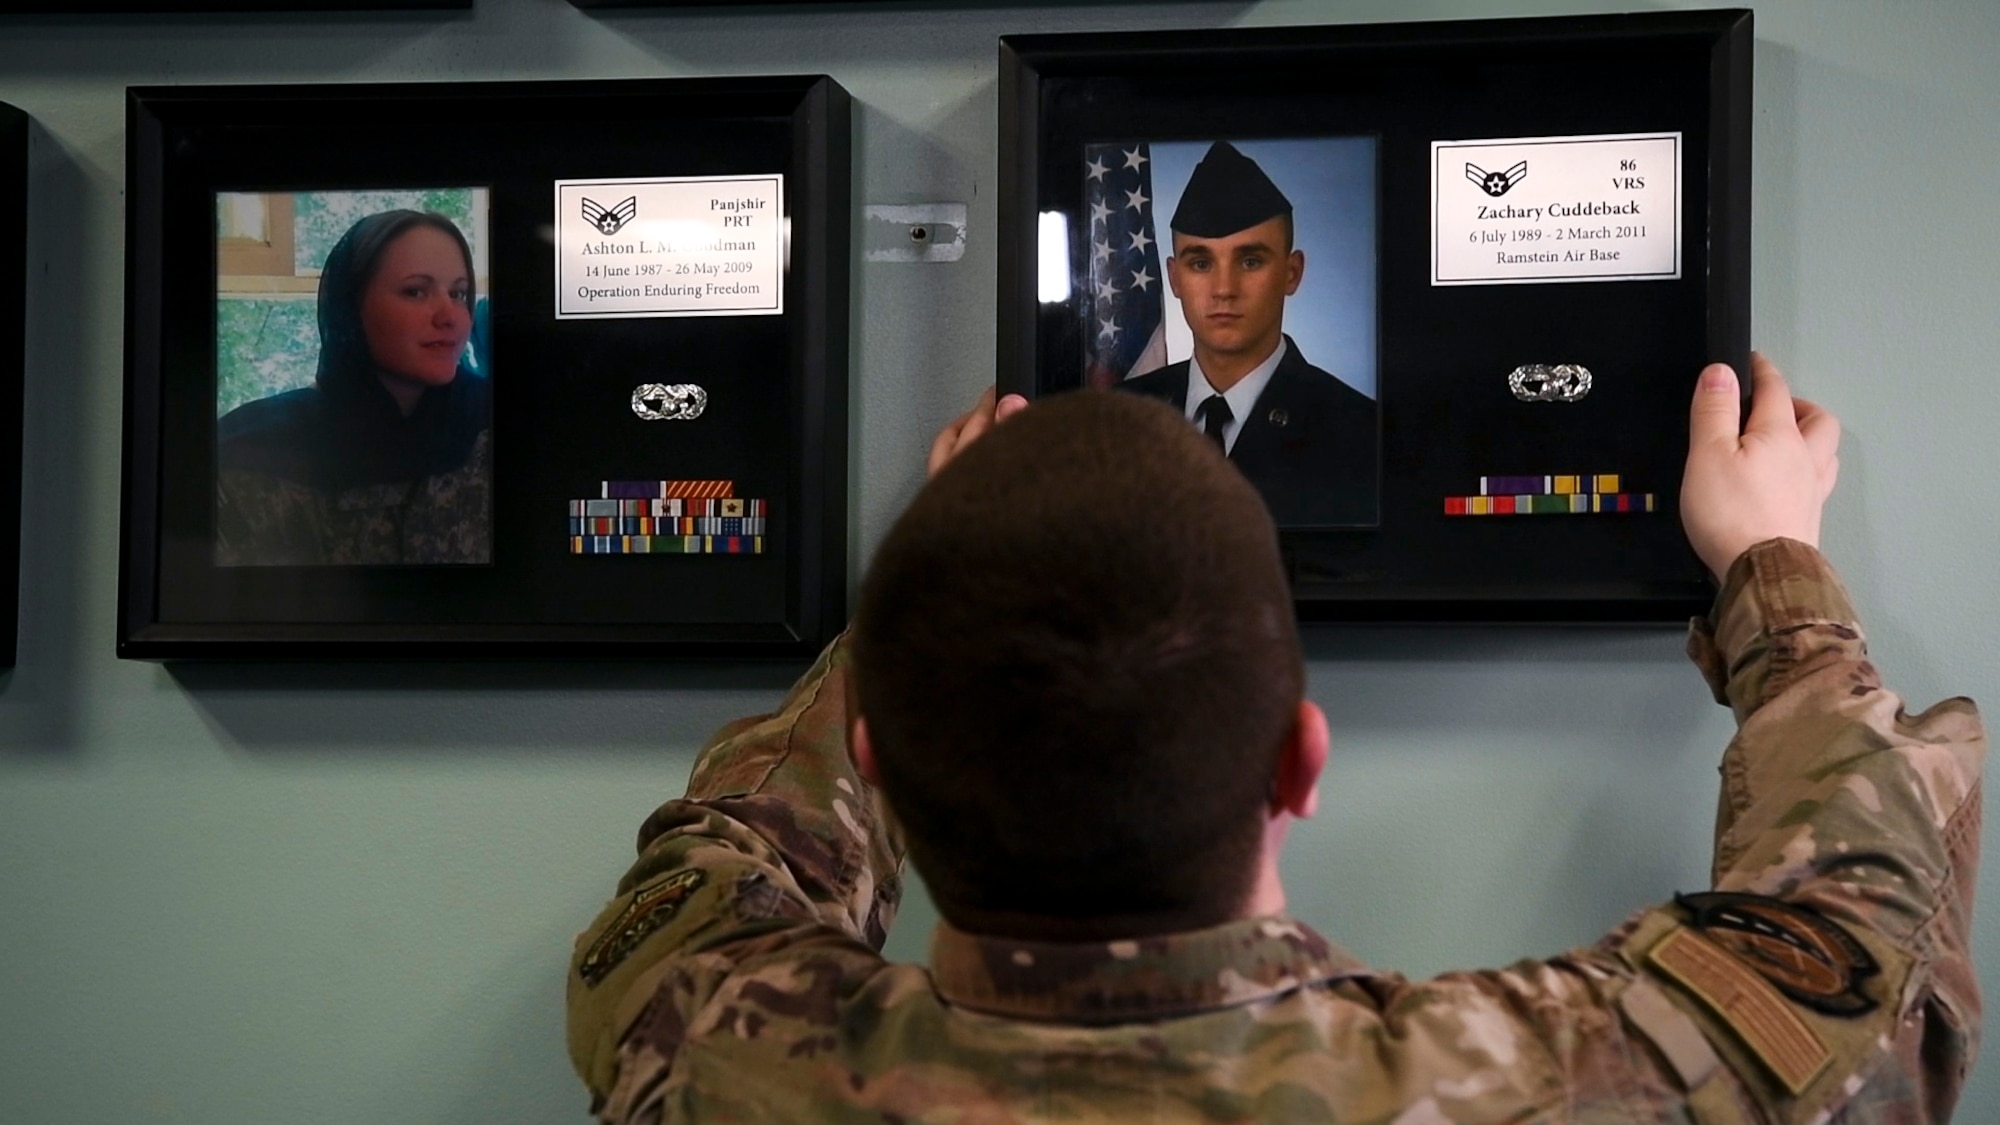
[1126, 299]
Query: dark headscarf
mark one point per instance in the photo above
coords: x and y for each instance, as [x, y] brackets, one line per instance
[346, 430]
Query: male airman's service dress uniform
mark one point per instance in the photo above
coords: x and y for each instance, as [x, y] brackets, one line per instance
[1309, 442]
[1824, 979]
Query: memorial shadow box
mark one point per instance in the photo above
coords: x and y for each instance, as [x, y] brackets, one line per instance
[472, 370]
[1448, 285]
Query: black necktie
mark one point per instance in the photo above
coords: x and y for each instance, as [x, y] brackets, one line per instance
[1213, 414]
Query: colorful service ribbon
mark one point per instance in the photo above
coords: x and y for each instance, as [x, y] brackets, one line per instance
[1580, 494]
[668, 517]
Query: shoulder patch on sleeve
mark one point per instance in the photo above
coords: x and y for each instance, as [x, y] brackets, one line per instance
[1808, 956]
[1748, 1003]
[651, 907]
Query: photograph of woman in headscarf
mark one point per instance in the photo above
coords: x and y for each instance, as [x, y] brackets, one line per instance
[386, 458]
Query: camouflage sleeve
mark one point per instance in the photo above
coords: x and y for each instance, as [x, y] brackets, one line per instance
[778, 843]
[1824, 980]
[1845, 805]
[1847, 844]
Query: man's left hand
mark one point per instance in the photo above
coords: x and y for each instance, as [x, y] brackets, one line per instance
[966, 428]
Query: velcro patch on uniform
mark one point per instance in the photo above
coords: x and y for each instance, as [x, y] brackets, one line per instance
[649, 909]
[1806, 954]
[1671, 1030]
[1749, 1004]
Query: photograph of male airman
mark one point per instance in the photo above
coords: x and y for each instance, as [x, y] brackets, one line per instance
[1073, 695]
[1306, 439]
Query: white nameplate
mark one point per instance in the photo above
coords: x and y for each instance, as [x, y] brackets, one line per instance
[1548, 209]
[670, 246]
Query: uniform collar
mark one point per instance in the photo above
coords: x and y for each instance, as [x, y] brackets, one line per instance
[1242, 398]
[1138, 979]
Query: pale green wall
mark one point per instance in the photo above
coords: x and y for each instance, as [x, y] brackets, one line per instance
[344, 895]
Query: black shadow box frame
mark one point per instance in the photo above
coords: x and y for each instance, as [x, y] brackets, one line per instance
[13, 359]
[778, 6]
[206, 7]
[1447, 414]
[563, 417]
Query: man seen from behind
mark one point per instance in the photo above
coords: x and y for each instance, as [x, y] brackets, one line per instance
[1075, 679]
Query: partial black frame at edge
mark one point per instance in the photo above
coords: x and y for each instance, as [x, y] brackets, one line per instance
[13, 364]
[1026, 60]
[822, 139]
[214, 7]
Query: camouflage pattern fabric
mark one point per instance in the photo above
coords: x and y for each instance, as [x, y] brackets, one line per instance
[736, 975]
[265, 520]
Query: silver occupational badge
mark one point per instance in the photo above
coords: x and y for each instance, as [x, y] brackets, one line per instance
[669, 402]
[1541, 382]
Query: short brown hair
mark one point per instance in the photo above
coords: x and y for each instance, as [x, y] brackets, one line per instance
[1077, 659]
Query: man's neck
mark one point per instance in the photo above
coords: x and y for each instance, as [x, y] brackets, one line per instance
[1225, 371]
[1101, 927]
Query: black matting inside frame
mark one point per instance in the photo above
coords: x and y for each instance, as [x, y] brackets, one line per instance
[1447, 414]
[562, 417]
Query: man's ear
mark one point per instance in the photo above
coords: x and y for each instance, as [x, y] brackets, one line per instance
[1295, 271]
[1174, 275]
[1295, 789]
[862, 752]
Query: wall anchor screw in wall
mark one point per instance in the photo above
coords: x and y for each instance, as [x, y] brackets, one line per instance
[912, 232]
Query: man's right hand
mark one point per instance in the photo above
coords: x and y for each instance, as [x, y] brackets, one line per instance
[1768, 482]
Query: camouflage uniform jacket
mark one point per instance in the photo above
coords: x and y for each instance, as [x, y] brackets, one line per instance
[266, 520]
[1826, 979]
